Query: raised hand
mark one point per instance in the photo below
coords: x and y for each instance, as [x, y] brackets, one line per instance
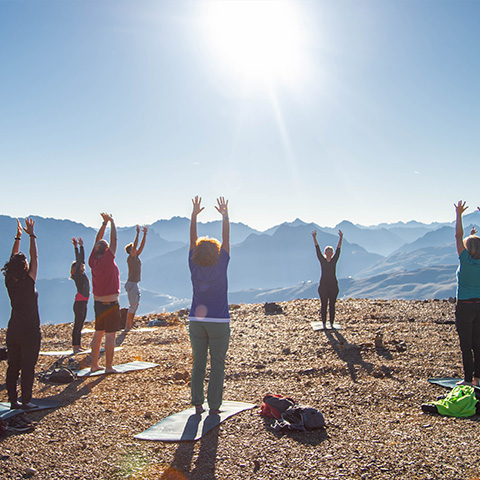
[80, 241]
[460, 207]
[314, 234]
[19, 228]
[106, 217]
[196, 205]
[222, 206]
[29, 223]
[145, 229]
[138, 228]
[340, 234]
[74, 241]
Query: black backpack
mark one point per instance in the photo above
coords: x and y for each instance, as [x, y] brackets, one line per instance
[58, 374]
[300, 419]
[273, 308]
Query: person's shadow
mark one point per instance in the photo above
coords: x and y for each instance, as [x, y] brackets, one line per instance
[350, 353]
[204, 465]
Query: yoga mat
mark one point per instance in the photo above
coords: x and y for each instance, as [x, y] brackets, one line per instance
[42, 404]
[69, 353]
[189, 426]
[123, 368]
[449, 382]
[319, 326]
[142, 329]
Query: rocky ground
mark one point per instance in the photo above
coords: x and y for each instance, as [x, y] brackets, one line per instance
[369, 391]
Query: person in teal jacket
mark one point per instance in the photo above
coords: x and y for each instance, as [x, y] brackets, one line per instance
[467, 312]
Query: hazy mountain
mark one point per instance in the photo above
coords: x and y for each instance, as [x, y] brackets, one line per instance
[374, 240]
[288, 256]
[262, 264]
[426, 283]
[177, 229]
[441, 237]
[410, 261]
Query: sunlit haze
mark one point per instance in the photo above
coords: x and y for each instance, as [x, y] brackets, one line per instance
[259, 44]
[326, 111]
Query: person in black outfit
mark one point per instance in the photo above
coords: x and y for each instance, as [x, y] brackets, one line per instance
[77, 274]
[328, 287]
[23, 331]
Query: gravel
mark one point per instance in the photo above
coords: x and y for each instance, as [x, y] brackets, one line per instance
[368, 380]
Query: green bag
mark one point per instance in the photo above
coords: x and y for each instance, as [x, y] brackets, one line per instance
[460, 402]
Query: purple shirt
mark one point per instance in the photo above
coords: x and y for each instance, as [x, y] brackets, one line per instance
[210, 286]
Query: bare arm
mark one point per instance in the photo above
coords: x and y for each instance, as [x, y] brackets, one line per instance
[135, 242]
[33, 266]
[222, 208]
[18, 236]
[144, 239]
[314, 236]
[340, 239]
[193, 221]
[101, 232]
[113, 236]
[459, 209]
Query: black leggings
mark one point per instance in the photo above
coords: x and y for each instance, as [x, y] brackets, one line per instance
[23, 351]
[80, 310]
[467, 321]
[328, 294]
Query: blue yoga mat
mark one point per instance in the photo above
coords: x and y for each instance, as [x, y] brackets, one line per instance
[317, 326]
[123, 368]
[42, 404]
[189, 426]
[448, 382]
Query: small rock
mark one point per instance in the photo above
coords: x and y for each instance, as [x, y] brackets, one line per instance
[30, 472]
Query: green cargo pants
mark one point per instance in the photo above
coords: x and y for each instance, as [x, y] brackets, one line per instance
[205, 336]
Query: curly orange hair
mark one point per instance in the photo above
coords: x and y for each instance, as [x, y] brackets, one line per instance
[206, 251]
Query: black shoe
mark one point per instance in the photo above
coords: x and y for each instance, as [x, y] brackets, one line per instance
[29, 406]
[15, 406]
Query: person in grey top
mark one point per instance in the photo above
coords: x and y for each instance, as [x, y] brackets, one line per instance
[134, 275]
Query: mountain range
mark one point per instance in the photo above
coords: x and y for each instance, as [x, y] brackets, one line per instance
[389, 261]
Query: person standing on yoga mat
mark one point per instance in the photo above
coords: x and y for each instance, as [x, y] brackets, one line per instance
[328, 287]
[134, 275]
[77, 274]
[467, 311]
[106, 289]
[209, 318]
[23, 331]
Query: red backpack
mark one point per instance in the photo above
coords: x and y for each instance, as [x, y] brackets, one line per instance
[274, 405]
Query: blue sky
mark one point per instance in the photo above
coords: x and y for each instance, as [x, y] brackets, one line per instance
[370, 113]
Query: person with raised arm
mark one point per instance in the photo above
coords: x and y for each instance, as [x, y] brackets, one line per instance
[467, 310]
[328, 286]
[134, 275]
[209, 319]
[77, 274]
[106, 290]
[23, 331]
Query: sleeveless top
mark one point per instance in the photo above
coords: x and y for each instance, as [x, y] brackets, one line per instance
[24, 300]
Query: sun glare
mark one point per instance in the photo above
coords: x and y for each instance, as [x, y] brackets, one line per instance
[257, 42]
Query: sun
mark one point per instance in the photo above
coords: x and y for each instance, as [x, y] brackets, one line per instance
[257, 42]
